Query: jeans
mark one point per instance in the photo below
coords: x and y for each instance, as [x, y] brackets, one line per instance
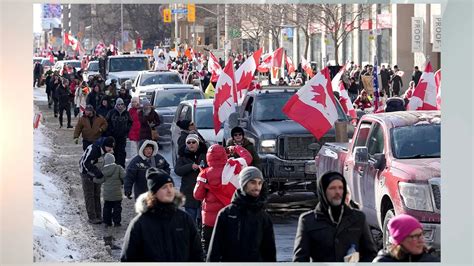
[112, 211]
[66, 108]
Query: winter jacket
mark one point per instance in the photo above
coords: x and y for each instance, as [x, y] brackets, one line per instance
[321, 240]
[251, 148]
[112, 182]
[136, 169]
[89, 163]
[134, 133]
[161, 234]
[94, 99]
[80, 97]
[397, 83]
[127, 98]
[385, 256]
[119, 123]
[243, 232]
[188, 175]
[145, 121]
[63, 94]
[90, 128]
[209, 188]
[416, 76]
[104, 110]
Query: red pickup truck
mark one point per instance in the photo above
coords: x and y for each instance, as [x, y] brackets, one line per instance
[392, 166]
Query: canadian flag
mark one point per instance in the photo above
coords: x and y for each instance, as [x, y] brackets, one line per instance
[266, 63]
[71, 41]
[314, 105]
[231, 171]
[277, 57]
[225, 98]
[99, 48]
[424, 96]
[344, 98]
[307, 67]
[244, 74]
[214, 67]
[437, 76]
[289, 65]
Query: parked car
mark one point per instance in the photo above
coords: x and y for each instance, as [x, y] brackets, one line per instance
[125, 67]
[201, 114]
[392, 166]
[282, 144]
[73, 63]
[154, 79]
[166, 101]
[91, 70]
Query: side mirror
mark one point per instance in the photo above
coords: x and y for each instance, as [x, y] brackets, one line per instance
[361, 155]
[233, 120]
[379, 161]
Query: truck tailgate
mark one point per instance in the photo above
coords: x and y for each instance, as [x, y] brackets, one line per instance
[331, 158]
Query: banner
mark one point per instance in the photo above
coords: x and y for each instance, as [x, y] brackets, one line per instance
[416, 35]
[436, 33]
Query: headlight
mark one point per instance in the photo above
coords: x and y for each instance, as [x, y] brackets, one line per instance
[416, 196]
[268, 146]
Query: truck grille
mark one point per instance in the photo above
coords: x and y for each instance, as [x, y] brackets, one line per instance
[296, 147]
[436, 195]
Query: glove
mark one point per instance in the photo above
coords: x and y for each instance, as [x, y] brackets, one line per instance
[128, 194]
[76, 140]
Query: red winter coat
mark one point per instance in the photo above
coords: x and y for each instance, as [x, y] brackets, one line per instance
[209, 188]
[134, 133]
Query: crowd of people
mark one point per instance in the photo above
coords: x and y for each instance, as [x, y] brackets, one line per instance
[219, 212]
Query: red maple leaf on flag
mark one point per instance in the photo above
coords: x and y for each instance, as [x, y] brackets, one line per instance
[420, 89]
[246, 78]
[224, 94]
[320, 96]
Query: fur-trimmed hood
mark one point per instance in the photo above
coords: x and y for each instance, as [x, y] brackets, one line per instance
[141, 207]
[142, 147]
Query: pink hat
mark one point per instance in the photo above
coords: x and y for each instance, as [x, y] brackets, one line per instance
[401, 226]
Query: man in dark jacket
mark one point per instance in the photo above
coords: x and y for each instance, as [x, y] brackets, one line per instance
[396, 81]
[94, 97]
[187, 166]
[161, 232]
[327, 233]
[385, 78]
[37, 73]
[244, 230]
[63, 95]
[135, 176]
[88, 166]
[238, 138]
[119, 123]
[416, 75]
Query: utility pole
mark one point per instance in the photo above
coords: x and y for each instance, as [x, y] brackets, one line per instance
[218, 29]
[226, 34]
[176, 28]
[121, 26]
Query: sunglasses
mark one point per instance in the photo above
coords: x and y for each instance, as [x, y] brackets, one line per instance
[120, 104]
[191, 142]
[237, 134]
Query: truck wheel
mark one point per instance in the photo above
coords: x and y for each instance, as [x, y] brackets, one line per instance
[386, 235]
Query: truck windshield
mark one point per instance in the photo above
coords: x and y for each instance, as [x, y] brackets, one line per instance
[268, 108]
[93, 66]
[204, 118]
[128, 64]
[416, 141]
[160, 78]
[173, 98]
[75, 64]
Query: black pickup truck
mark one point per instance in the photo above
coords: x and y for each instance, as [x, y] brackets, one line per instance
[281, 143]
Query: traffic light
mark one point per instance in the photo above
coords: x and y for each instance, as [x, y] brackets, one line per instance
[191, 12]
[167, 15]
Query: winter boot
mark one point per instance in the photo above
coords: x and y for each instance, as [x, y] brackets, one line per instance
[109, 241]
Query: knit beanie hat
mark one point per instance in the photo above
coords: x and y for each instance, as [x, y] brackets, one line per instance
[146, 102]
[247, 174]
[193, 137]
[236, 130]
[327, 179]
[156, 178]
[119, 101]
[401, 226]
[109, 158]
[109, 142]
[89, 108]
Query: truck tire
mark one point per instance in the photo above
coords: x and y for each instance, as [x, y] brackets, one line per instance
[386, 235]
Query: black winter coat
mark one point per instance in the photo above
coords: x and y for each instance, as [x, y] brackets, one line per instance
[161, 234]
[119, 123]
[136, 170]
[89, 160]
[243, 232]
[319, 239]
[94, 99]
[188, 175]
[63, 95]
[385, 256]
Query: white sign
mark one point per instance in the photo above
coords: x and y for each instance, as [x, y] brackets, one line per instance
[436, 33]
[416, 34]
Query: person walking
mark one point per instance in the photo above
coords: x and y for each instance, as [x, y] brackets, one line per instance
[161, 232]
[330, 231]
[90, 166]
[120, 122]
[396, 81]
[244, 230]
[80, 97]
[209, 186]
[95, 96]
[415, 77]
[112, 180]
[90, 126]
[37, 74]
[104, 106]
[408, 242]
[238, 138]
[63, 95]
[385, 78]
[147, 157]
[149, 120]
[191, 159]
[134, 134]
